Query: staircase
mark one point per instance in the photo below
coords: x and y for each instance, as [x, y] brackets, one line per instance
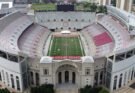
[66, 88]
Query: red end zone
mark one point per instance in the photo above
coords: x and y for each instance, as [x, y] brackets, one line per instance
[66, 57]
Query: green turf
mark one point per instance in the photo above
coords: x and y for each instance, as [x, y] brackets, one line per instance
[65, 46]
[42, 7]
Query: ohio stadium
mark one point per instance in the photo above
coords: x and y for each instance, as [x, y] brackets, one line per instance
[67, 48]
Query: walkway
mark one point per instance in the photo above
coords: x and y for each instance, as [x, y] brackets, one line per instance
[66, 88]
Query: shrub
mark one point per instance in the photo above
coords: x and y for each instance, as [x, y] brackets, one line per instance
[45, 88]
[89, 89]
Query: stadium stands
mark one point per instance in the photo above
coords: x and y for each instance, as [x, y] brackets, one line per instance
[31, 39]
[119, 33]
[11, 36]
[103, 42]
[102, 39]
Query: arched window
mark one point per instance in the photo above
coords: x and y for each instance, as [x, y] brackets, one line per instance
[59, 77]
[12, 81]
[120, 81]
[101, 77]
[17, 83]
[115, 82]
[0, 77]
[37, 79]
[66, 76]
[32, 79]
[54, 20]
[73, 77]
[69, 20]
[76, 20]
[96, 78]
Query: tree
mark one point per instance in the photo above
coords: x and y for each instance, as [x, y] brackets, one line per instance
[93, 7]
[101, 9]
[89, 89]
[45, 88]
[103, 90]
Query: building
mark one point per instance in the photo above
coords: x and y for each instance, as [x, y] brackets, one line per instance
[122, 4]
[28, 56]
[6, 4]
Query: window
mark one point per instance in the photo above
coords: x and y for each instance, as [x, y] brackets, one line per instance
[12, 81]
[68, 19]
[101, 77]
[17, 83]
[129, 54]
[76, 20]
[32, 79]
[54, 20]
[120, 81]
[96, 78]
[2, 54]
[115, 82]
[37, 79]
[0, 77]
[46, 72]
[87, 71]
[82, 20]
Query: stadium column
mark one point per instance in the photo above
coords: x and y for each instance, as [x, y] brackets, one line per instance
[118, 3]
[98, 78]
[70, 76]
[41, 1]
[100, 2]
[129, 5]
[122, 4]
[118, 78]
[112, 84]
[34, 78]
[63, 77]
[104, 2]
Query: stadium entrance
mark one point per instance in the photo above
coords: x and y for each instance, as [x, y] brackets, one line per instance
[66, 74]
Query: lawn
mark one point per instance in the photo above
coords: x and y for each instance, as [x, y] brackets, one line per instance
[44, 7]
[65, 46]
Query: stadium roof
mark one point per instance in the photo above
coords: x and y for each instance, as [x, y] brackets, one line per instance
[6, 0]
[126, 16]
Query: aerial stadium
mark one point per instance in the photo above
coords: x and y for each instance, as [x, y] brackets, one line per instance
[67, 48]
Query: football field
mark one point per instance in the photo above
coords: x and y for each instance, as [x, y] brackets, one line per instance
[65, 46]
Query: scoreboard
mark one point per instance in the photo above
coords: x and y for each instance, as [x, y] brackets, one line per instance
[65, 7]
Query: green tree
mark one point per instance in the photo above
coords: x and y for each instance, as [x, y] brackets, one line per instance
[45, 88]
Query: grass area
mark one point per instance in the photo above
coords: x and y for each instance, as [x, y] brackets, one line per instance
[65, 46]
[47, 7]
[78, 7]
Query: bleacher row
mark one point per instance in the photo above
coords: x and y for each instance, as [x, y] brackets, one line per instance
[118, 32]
[11, 32]
[103, 42]
[30, 41]
[19, 34]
